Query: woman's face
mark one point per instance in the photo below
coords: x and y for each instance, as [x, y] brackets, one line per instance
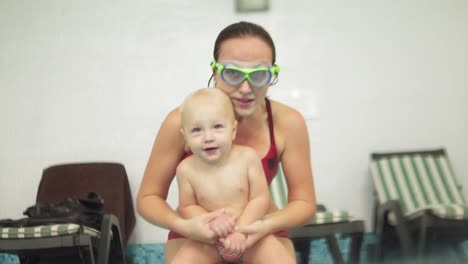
[246, 52]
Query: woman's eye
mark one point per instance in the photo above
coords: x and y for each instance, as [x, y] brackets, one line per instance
[259, 76]
[233, 74]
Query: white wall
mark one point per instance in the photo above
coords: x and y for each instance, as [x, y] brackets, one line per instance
[93, 80]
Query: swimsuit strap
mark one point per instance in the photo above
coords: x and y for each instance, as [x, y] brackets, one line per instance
[270, 122]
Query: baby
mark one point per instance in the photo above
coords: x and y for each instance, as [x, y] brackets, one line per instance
[219, 174]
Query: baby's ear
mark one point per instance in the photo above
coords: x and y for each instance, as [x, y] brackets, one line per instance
[182, 132]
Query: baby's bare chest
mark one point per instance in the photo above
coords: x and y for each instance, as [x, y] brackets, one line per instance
[227, 187]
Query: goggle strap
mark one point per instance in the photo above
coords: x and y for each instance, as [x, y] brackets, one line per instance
[213, 64]
[275, 69]
[275, 80]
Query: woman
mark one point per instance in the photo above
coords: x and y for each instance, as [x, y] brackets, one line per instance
[244, 68]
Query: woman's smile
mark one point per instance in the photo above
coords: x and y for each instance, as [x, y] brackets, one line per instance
[243, 102]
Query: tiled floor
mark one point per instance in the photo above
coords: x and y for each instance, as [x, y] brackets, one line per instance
[154, 253]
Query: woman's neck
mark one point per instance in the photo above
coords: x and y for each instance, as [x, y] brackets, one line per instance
[254, 119]
[250, 128]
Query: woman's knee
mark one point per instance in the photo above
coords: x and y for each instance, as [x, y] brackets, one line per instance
[271, 249]
[187, 251]
[172, 247]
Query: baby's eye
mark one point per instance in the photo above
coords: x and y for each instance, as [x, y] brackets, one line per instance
[196, 130]
[218, 126]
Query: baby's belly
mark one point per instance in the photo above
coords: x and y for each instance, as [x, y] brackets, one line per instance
[230, 209]
[233, 211]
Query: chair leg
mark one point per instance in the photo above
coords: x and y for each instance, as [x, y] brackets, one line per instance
[405, 240]
[460, 252]
[378, 253]
[422, 244]
[27, 259]
[89, 255]
[355, 248]
[334, 249]
[303, 246]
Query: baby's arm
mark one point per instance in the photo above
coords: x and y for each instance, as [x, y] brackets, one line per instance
[188, 206]
[256, 207]
[259, 197]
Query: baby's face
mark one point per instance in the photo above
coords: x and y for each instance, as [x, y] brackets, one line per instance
[209, 130]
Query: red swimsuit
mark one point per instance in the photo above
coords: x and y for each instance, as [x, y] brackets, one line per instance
[270, 166]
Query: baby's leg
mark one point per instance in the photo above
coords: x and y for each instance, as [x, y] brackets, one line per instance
[271, 250]
[196, 252]
[226, 255]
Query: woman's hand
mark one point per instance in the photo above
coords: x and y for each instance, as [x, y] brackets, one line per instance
[199, 227]
[223, 225]
[253, 232]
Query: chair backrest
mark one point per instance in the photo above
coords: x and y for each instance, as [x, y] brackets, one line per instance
[279, 195]
[279, 189]
[109, 180]
[417, 179]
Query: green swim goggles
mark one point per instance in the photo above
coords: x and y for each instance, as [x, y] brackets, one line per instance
[258, 77]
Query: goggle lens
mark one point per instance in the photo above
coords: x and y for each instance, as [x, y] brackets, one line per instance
[257, 78]
[232, 76]
[260, 77]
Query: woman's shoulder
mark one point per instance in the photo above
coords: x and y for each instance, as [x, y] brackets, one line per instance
[243, 151]
[285, 116]
[169, 134]
[173, 118]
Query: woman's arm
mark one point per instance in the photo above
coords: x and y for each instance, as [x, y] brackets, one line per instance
[168, 149]
[296, 165]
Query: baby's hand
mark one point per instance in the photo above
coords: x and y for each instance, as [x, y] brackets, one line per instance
[234, 246]
[222, 225]
[198, 227]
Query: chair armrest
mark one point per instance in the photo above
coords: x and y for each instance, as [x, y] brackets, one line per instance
[321, 208]
[110, 236]
[391, 206]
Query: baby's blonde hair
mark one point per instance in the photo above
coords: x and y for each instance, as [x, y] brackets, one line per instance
[215, 95]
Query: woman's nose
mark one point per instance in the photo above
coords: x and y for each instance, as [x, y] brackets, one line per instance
[245, 87]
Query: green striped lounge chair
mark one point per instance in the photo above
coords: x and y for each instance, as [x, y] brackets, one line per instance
[71, 242]
[69, 239]
[324, 225]
[417, 198]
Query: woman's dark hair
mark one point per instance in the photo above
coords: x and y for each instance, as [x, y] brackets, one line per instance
[241, 29]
